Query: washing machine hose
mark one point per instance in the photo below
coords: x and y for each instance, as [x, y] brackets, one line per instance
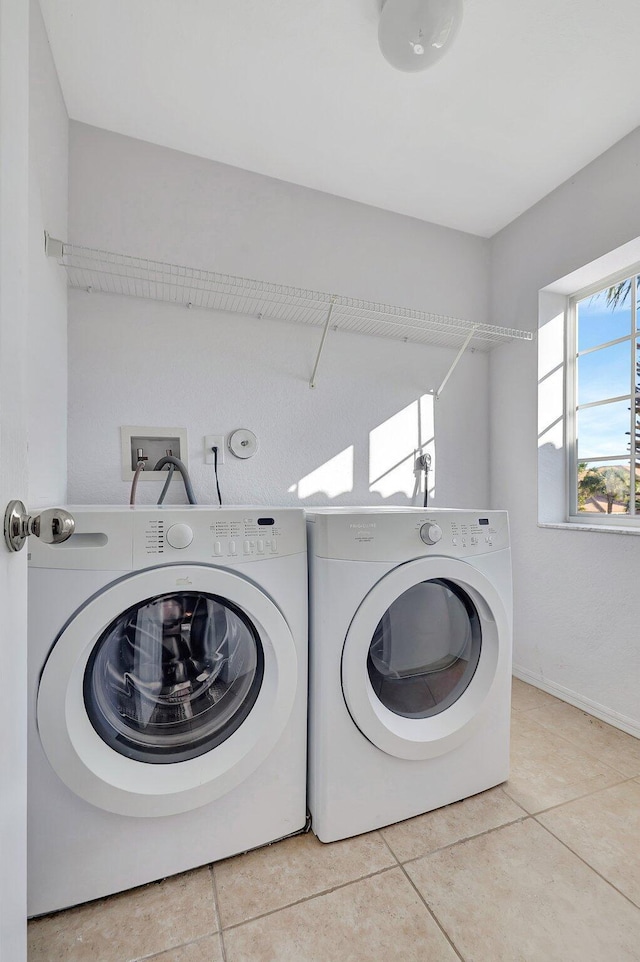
[175, 463]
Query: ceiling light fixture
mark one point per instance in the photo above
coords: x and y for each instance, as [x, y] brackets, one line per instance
[413, 34]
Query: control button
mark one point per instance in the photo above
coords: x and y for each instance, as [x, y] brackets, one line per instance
[430, 533]
[179, 536]
[454, 542]
[232, 548]
[274, 547]
[474, 541]
[247, 547]
[217, 549]
[260, 546]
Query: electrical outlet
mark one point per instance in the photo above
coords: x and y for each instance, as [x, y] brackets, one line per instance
[213, 441]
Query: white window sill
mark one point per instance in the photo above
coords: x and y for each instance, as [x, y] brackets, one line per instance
[600, 528]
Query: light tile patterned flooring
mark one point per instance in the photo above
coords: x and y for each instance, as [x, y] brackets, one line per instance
[543, 868]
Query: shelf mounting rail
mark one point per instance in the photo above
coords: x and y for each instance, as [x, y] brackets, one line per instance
[111, 273]
[455, 361]
[312, 382]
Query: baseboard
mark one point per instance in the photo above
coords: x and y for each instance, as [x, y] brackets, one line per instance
[623, 722]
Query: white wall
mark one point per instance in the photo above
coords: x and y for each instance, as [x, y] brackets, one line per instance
[140, 362]
[576, 627]
[47, 330]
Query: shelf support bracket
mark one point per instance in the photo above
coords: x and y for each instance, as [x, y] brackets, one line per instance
[312, 382]
[53, 247]
[456, 360]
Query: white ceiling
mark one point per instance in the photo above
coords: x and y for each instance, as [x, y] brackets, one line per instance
[531, 91]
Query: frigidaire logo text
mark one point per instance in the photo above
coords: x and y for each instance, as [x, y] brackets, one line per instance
[363, 524]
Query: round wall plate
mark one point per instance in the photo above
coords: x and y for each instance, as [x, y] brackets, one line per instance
[243, 443]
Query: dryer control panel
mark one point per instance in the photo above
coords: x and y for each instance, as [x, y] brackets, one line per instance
[400, 534]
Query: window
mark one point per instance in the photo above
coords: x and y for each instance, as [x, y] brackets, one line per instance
[603, 402]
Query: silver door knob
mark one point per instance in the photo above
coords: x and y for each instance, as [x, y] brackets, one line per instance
[51, 526]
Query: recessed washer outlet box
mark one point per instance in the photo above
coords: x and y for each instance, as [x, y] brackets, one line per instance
[154, 444]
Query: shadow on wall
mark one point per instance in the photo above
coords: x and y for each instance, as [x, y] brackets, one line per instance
[394, 446]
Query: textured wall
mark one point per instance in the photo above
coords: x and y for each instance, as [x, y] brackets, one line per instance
[576, 624]
[352, 439]
[140, 199]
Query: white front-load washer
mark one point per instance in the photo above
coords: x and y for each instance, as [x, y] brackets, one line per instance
[410, 662]
[168, 695]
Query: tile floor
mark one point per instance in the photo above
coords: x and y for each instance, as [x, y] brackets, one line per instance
[543, 868]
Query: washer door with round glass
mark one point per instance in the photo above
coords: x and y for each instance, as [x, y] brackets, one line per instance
[421, 656]
[166, 690]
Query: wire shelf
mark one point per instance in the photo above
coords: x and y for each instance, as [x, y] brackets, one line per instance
[110, 273]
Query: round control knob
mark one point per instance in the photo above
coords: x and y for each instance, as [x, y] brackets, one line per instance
[430, 532]
[179, 536]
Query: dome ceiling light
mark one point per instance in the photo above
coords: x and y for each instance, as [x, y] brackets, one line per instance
[413, 34]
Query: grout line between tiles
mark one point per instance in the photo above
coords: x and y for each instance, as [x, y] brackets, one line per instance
[459, 841]
[579, 746]
[423, 900]
[432, 913]
[381, 834]
[549, 808]
[511, 799]
[171, 948]
[584, 862]
[597, 791]
[398, 863]
[309, 898]
[523, 711]
[223, 948]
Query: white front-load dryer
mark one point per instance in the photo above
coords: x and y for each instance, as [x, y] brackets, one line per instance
[168, 694]
[410, 662]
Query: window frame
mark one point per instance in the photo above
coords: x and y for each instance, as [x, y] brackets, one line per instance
[631, 520]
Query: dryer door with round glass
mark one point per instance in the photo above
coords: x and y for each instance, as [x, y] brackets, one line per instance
[421, 656]
[167, 689]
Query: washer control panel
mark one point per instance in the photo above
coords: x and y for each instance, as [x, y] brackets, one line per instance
[233, 536]
[122, 538]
